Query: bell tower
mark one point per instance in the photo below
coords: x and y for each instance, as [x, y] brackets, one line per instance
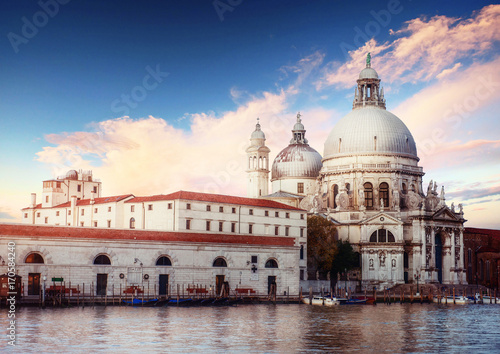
[257, 164]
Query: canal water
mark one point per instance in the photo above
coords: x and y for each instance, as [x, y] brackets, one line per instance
[257, 328]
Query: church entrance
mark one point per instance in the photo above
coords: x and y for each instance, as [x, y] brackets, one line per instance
[438, 244]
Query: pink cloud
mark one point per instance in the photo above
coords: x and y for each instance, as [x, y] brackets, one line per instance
[422, 50]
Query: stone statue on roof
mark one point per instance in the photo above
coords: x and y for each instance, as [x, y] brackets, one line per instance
[368, 60]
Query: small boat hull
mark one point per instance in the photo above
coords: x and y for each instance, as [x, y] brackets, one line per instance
[321, 301]
[459, 300]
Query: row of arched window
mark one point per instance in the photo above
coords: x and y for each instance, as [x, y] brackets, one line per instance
[254, 162]
[103, 259]
[383, 192]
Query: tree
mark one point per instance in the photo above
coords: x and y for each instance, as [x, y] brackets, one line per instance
[321, 245]
[345, 259]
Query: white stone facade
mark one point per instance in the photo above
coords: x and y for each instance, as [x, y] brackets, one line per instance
[370, 186]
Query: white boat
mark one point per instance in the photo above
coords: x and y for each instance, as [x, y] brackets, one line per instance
[459, 300]
[320, 300]
[487, 299]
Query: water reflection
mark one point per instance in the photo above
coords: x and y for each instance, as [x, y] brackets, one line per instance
[260, 328]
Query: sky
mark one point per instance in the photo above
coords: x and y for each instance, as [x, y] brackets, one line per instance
[159, 96]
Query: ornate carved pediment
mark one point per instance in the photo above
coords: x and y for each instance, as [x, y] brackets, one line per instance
[444, 214]
[382, 218]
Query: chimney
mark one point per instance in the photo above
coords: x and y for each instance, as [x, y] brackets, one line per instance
[92, 198]
[33, 200]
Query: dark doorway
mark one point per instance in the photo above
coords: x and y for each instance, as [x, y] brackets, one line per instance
[102, 284]
[219, 282]
[33, 283]
[163, 288]
[439, 257]
[406, 265]
[271, 284]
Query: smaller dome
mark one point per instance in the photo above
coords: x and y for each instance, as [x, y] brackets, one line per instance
[72, 174]
[296, 160]
[258, 134]
[298, 126]
[368, 73]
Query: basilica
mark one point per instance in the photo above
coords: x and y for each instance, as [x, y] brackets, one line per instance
[369, 184]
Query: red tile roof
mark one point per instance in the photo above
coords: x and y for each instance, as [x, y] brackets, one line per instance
[489, 232]
[20, 230]
[214, 198]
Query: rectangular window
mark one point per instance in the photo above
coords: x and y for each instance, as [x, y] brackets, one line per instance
[287, 230]
[25, 215]
[233, 227]
[46, 220]
[301, 216]
[79, 188]
[300, 187]
[188, 206]
[266, 212]
[58, 184]
[254, 259]
[301, 232]
[150, 206]
[234, 211]
[82, 223]
[95, 189]
[208, 208]
[287, 215]
[276, 230]
[95, 210]
[250, 212]
[57, 213]
[95, 223]
[277, 214]
[46, 199]
[208, 225]
[170, 205]
[132, 208]
[250, 228]
[69, 212]
[109, 223]
[188, 224]
[221, 209]
[37, 215]
[221, 224]
[302, 274]
[83, 212]
[109, 209]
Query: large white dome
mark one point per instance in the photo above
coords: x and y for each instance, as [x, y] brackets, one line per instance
[370, 131]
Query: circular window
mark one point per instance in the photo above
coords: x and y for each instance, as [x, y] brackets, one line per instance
[382, 218]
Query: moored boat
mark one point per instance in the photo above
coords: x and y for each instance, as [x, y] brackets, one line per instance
[321, 300]
[458, 300]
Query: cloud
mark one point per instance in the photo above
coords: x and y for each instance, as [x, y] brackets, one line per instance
[446, 72]
[469, 192]
[5, 215]
[422, 49]
[439, 114]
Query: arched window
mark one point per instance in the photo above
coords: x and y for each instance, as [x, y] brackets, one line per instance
[163, 261]
[368, 195]
[383, 191]
[271, 263]
[382, 235]
[34, 258]
[132, 223]
[481, 269]
[301, 251]
[335, 193]
[348, 187]
[219, 262]
[404, 188]
[102, 259]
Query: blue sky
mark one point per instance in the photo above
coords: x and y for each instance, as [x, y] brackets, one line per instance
[193, 75]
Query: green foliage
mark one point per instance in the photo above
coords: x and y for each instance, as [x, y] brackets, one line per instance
[321, 245]
[345, 259]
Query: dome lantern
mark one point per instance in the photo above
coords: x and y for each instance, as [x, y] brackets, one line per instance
[368, 92]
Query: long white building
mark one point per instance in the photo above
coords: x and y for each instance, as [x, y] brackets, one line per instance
[157, 242]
